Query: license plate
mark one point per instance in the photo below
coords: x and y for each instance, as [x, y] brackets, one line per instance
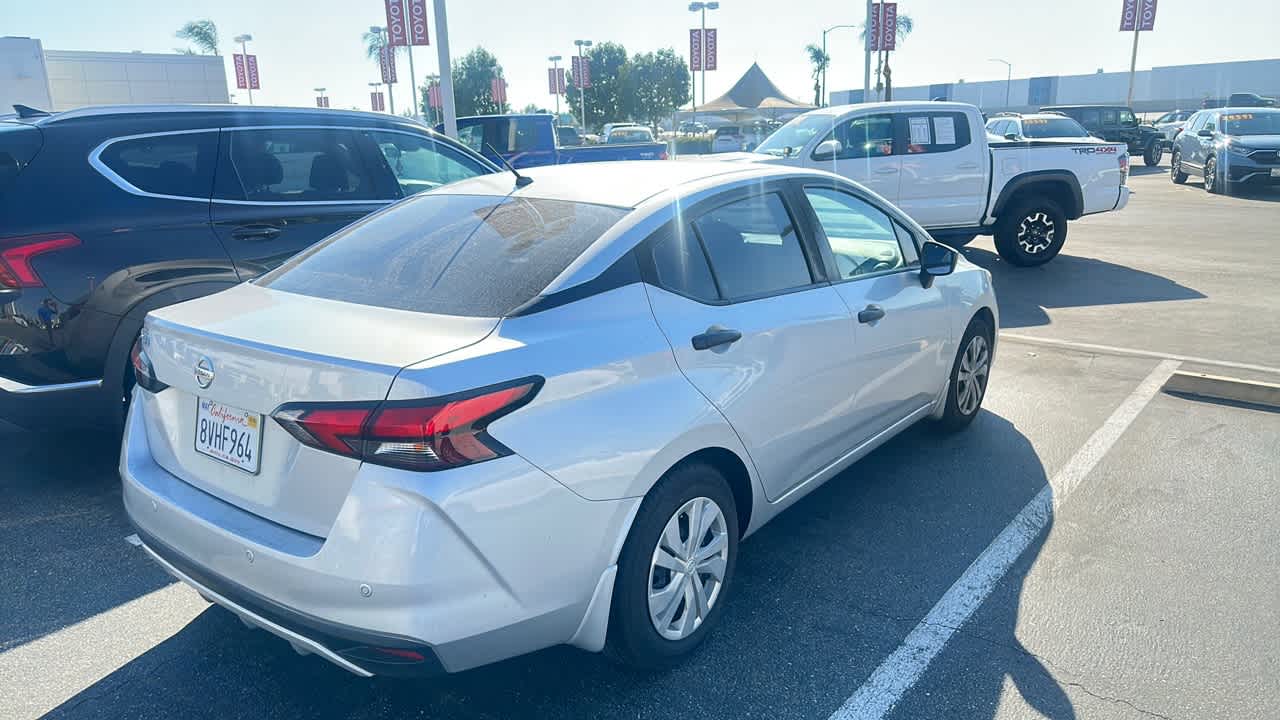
[1275, 172]
[229, 434]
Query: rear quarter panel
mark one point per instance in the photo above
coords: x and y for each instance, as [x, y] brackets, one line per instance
[1096, 167]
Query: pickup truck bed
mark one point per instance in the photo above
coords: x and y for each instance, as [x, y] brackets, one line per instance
[531, 141]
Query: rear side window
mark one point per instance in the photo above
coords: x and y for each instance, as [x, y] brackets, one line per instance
[420, 163]
[179, 165]
[1091, 119]
[681, 265]
[469, 255]
[933, 132]
[299, 165]
[754, 248]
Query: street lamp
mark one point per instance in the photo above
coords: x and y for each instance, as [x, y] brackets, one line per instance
[824, 54]
[1008, 78]
[242, 39]
[382, 43]
[703, 7]
[555, 81]
[582, 91]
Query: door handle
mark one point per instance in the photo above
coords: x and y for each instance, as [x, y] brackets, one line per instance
[255, 232]
[870, 314]
[715, 336]
[887, 171]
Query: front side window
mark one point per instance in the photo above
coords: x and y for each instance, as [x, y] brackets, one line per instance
[472, 136]
[1127, 118]
[1109, 117]
[1210, 122]
[862, 237]
[790, 138]
[934, 132]
[420, 163]
[754, 247]
[299, 165]
[180, 165]
[865, 137]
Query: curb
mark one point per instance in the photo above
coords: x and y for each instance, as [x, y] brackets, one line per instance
[1218, 387]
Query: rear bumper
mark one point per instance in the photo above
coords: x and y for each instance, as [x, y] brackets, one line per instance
[461, 568]
[43, 408]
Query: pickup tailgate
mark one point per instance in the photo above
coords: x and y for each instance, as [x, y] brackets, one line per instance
[1100, 168]
[604, 153]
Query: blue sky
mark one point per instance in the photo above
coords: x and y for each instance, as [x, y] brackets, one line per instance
[302, 45]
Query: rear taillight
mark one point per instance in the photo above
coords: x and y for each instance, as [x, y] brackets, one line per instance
[1124, 167]
[16, 255]
[143, 372]
[424, 435]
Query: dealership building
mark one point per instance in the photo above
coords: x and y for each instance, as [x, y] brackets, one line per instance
[1156, 90]
[66, 79]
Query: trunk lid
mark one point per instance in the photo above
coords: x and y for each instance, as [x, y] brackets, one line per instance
[265, 348]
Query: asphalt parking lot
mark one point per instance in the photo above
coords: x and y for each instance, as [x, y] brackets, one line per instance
[1091, 547]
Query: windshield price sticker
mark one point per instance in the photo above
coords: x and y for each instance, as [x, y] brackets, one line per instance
[920, 134]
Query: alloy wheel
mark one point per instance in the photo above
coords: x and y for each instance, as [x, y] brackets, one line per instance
[687, 571]
[971, 379]
[1210, 174]
[1036, 233]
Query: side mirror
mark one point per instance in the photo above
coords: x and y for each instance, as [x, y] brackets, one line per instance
[1205, 132]
[1011, 136]
[827, 150]
[936, 260]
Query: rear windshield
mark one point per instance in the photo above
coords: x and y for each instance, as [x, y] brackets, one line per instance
[470, 255]
[1052, 128]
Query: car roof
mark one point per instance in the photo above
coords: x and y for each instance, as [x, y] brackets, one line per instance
[624, 184]
[248, 113]
[895, 105]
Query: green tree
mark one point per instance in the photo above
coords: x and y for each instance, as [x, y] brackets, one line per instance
[605, 95]
[819, 59]
[535, 109]
[655, 84]
[884, 75]
[472, 88]
[202, 33]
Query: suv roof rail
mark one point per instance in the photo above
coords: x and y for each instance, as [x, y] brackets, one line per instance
[101, 110]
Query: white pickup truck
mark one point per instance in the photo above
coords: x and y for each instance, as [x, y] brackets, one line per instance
[936, 162]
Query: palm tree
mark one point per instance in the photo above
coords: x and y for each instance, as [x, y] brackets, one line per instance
[884, 74]
[819, 60]
[201, 32]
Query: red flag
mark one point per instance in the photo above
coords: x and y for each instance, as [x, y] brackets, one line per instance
[397, 33]
[581, 72]
[873, 36]
[498, 90]
[418, 22]
[251, 66]
[242, 81]
[889, 26]
[1129, 15]
[695, 49]
[1147, 17]
[553, 86]
[387, 64]
[709, 45]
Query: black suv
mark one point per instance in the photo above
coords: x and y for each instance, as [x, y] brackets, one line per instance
[1229, 148]
[1117, 123]
[110, 212]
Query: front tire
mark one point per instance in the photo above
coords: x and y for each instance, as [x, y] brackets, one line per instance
[1152, 155]
[1175, 169]
[675, 569]
[1031, 232]
[1212, 180]
[969, 374]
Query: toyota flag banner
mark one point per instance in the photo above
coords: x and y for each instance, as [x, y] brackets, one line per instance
[322, 101]
[433, 95]
[251, 69]
[889, 26]
[376, 101]
[242, 77]
[581, 72]
[1138, 15]
[555, 81]
[418, 22]
[695, 49]
[397, 33]
[498, 90]
[387, 64]
[709, 47]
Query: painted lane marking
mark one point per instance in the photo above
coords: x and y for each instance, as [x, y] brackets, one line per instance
[1133, 352]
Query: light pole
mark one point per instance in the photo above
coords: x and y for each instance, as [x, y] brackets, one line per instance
[824, 54]
[1008, 78]
[391, 58]
[703, 7]
[447, 110]
[244, 52]
[319, 94]
[582, 71]
[555, 81]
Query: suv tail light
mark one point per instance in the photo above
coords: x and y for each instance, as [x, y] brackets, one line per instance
[16, 254]
[423, 435]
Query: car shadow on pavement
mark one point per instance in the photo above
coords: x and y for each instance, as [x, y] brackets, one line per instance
[1140, 169]
[1024, 294]
[63, 527]
[1248, 192]
[823, 594]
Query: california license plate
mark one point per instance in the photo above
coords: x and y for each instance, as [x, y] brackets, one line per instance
[229, 434]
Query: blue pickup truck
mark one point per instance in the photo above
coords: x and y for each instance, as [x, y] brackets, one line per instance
[531, 140]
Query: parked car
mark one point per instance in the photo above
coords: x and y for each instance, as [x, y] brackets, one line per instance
[728, 138]
[553, 410]
[1170, 124]
[608, 127]
[1239, 100]
[1117, 123]
[1037, 126]
[933, 160]
[1229, 147]
[689, 127]
[530, 140]
[567, 136]
[629, 134]
[110, 212]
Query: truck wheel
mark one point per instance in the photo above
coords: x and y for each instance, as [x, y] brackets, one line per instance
[1031, 232]
[1175, 169]
[1155, 151]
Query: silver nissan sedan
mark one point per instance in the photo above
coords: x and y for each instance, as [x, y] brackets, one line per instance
[521, 411]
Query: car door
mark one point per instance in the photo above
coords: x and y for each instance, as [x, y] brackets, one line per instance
[867, 154]
[738, 290]
[280, 190]
[901, 326]
[944, 180]
[1189, 147]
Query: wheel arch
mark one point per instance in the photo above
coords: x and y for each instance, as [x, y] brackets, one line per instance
[735, 473]
[1060, 186]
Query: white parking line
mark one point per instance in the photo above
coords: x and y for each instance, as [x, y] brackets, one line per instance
[900, 671]
[1133, 352]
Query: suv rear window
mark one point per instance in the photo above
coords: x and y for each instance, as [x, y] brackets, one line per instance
[469, 255]
[180, 165]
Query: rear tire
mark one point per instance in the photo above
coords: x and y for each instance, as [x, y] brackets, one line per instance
[1175, 169]
[644, 585]
[1031, 232]
[967, 386]
[1152, 155]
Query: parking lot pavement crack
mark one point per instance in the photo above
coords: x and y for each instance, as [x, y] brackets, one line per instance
[1118, 701]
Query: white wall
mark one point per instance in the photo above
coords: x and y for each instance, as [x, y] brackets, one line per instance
[23, 80]
[101, 78]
